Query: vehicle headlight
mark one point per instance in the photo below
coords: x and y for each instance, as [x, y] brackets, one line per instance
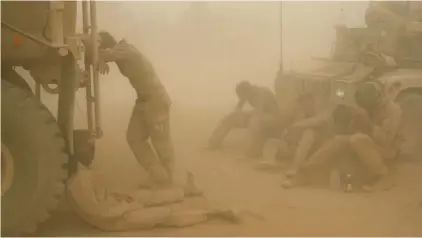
[340, 93]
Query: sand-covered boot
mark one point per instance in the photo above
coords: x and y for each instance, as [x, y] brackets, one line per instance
[292, 172]
[190, 187]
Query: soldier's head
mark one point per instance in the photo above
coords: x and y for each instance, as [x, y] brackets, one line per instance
[107, 40]
[244, 89]
[306, 102]
[370, 95]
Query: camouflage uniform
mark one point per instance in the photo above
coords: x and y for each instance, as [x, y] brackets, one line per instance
[376, 147]
[263, 121]
[320, 143]
[296, 143]
[150, 115]
[311, 133]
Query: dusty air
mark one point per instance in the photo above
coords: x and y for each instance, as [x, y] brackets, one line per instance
[211, 118]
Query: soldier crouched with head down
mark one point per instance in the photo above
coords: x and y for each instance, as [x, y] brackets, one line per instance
[262, 122]
[373, 136]
[150, 115]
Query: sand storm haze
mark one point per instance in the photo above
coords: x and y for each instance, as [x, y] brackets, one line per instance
[200, 58]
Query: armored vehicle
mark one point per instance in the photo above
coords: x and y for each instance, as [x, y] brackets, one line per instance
[358, 57]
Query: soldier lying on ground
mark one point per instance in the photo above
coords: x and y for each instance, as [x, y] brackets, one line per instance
[262, 122]
[296, 142]
[376, 143]
[114, 211]
[150, 115]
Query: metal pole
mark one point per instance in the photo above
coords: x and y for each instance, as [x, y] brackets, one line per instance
[67, 97]
[281, 36]
[67, 93]
[88, 72]
[93, 15]
[56, 23]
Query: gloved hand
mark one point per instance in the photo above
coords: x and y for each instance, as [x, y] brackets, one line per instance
[103, 67]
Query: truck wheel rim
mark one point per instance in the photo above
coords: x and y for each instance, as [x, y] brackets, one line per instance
[7, 169]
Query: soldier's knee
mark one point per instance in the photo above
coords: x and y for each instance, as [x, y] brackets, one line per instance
[359, 139]
[309, 134]
[230, 119]
[283, 148]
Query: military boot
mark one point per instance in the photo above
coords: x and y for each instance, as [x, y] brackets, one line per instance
[288, 183]
[292, 171]
[190, 188]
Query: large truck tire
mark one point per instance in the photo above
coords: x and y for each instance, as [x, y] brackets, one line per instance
[34, 161]
[411, 105]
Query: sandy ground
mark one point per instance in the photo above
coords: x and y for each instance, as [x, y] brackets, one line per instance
[229, 179]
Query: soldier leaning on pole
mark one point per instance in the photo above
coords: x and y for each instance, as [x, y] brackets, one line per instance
[151, 113]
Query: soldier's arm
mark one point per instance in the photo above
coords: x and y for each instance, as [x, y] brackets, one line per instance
[240, 105]
[387, 131]
[261, 99]
[315, 121]
[119, 52]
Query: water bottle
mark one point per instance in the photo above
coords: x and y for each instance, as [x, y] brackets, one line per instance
[348, 183]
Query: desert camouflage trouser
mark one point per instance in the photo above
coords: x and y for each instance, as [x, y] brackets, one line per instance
[297, 148]
[371, 155]
[151, 123]
[260, 128]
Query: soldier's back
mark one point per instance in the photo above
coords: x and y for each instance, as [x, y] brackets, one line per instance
[265, 98]
[141, 74]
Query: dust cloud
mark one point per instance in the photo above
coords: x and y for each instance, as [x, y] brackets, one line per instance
[200, 53]
[200, 56]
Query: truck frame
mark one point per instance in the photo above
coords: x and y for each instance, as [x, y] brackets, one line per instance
[41, 150]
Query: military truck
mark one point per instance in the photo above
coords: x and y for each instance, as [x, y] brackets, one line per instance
[40, 148]
[333, 80]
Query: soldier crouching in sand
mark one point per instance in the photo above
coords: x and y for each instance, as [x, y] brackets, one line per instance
[376, 141]
[261, 122]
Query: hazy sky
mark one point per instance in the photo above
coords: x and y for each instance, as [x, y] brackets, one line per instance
[208, 53]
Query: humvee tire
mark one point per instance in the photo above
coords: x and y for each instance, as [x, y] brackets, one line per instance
[411, 105]
[39, 161]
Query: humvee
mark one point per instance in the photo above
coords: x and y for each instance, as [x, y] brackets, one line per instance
[333, 80]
